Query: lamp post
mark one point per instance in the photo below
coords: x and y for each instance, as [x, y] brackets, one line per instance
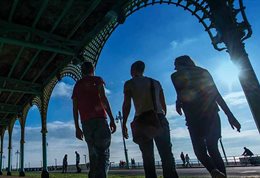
[220, 140]
[55, 163]
[119, 118]
[17, 157]
[85, 158]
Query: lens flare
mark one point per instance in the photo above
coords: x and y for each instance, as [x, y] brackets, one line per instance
[228, 73]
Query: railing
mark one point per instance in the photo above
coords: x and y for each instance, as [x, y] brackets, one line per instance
[231, 161]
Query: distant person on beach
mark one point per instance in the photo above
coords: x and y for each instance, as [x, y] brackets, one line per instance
[247, 152]
[65, 163]
[187, 160]
[77, 162]
[183, 159]
[198, 97]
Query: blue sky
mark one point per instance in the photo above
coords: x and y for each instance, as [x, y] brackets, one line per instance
[156, 35]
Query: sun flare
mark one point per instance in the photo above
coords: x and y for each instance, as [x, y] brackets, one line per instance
[228, 73]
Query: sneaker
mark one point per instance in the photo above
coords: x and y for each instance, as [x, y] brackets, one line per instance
[215, 173]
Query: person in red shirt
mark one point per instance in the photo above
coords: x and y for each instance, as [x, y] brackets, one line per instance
[90, 101]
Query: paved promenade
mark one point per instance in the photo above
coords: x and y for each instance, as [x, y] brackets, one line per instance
[233, 172]
[239, 172]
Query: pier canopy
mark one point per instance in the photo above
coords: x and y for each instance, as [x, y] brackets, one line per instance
[42, 41]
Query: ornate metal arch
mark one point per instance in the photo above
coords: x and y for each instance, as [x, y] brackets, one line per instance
[73, 71]
[23, 116]
[37, 102]
[198, 8]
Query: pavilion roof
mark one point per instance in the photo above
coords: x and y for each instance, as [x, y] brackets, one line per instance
[37, 39]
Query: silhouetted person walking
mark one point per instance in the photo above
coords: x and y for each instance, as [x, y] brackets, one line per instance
[187, 160]
[77, 162]
[139, 89]
[90, 101]
[65, 163]
[247, 152]
[198, 97]
[133, 162]
[183, 159]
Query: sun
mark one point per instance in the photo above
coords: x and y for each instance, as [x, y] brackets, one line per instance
[228, 73]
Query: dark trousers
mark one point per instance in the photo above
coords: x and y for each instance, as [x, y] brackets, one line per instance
[64, 168]
[183, 162]
[164, 146]
[98, 137]
[206, 147]
[77, 166]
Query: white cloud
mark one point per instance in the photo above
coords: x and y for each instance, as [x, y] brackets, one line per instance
[183, 43]
[229, 133]
[107, 91]
[180, 133]
[171, 111]
[236, 99]
[62, 90]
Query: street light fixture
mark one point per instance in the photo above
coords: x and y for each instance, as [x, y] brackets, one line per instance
[119, 118]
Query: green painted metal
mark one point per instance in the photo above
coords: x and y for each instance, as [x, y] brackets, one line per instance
[1, 46]
[43, 7]
[21, 170]
[54, 73]
[18, 57]
[64, 12]
[25, 90]
[20, 86]
[44, 152]
[86, 39]
[36, 46]
[30, 64]
[96, 30]
[67, 59]
[92, 7]
[1, 153]
[9, 105]
[44, 67]
[56, 39]
[9, 169]
[20, 82]
[3, 122]
[9, 109]
[12, 10]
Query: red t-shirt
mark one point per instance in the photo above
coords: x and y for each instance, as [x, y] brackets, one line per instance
[89, 102]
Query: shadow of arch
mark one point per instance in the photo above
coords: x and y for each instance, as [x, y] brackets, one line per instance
[199, 9]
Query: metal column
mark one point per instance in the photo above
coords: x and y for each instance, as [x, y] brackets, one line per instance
[1, 153]
[231, 34]
[9, 154]
[45, 173]
[21, 170]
